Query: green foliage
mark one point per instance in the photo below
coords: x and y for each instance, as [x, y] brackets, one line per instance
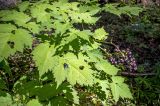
[64, 55]
[10, 43]
[34, 102]
[100, 34]
[6, 100]
[119, 89]
[122, 10]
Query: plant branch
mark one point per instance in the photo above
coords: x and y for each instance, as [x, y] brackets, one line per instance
[136, 74]
[110, 43]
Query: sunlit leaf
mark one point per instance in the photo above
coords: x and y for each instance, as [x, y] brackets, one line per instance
[43, 56]
[34, 102]
[10, 43]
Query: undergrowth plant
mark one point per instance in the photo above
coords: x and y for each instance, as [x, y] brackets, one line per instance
[64, 58]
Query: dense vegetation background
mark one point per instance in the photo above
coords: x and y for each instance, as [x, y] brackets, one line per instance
[79, 52]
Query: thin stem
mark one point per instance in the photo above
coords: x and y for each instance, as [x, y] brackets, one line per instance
[82, 26]
[136, 74]
[110, 43]
[104, 51]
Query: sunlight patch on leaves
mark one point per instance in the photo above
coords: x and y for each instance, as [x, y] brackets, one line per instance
[75, 70]
[34, 102]
[100, 34]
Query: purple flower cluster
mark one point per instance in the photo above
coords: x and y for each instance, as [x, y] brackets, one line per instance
[125, 58]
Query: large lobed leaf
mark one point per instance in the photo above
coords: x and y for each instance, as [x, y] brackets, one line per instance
[119, 88]
[6, 100]
[43, 56]
[69, 66]
[101, 64]
[128, 10]
[10, 43]
[74, 69]
[18, 18]
[100, 34]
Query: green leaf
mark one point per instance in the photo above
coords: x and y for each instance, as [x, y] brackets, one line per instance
[79, 71]
[75, 38]
[115, 91]
[43, 57]
[100, 34]
[47, 91]
[10, 43]
[6, 100]
[112, 9]
[106, 67]
[7, 28]
[4, 12]
[59, 101]
[93, 9]
[61, 27]
[34, 102]
[5, 65]
[75, 68]
[33, 27]
[95, 55]
[75, 96]
[117, 79]
[19, 18]
[23, 6]
[104, 84]
[83, 17]
[125, 91]
[128, 10]
[2, 84]
[60, 72]
[131, 10]
[22, 87]
[120, 89]
[100, 63]
[22, 38]
[85, 34]
[38, 12]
